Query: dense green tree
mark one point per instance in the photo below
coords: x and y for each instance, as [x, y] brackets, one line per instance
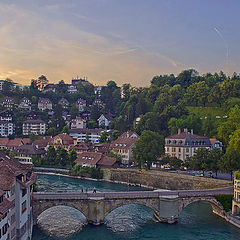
[62, 158]
[72, 157]
[148, 148]
[51, 156]
[231, 124]
[104, 138]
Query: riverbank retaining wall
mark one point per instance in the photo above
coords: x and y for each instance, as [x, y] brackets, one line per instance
[162, 179]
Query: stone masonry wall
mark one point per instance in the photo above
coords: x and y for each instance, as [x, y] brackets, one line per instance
[163, 180]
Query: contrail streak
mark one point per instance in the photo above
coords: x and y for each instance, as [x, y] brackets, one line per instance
[225, 43]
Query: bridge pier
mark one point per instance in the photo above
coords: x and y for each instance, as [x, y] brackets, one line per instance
[168, 209]
[96, 211]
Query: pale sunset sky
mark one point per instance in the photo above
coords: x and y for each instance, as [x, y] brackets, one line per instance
[128, 41]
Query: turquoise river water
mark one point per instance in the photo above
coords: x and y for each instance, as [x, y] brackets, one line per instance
[196, 222]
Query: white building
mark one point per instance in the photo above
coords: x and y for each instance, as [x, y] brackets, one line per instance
[81, 134]
[78, 122]
[6, 128]
[104, 120]
[34, 127]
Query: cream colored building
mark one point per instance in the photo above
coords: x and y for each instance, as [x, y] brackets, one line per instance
[184, 144]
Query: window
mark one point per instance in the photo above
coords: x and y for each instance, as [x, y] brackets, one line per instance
[179, 149]
[24, 192]
[187, 150]
[24, 206]
[174, 149]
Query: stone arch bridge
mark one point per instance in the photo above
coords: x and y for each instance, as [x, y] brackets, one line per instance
[166, 205]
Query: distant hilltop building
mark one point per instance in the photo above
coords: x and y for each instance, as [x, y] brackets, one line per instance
[184, 144]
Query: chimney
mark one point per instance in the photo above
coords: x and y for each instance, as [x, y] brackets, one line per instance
[185, 130]
[127, 134]
[179, 130]
[192, 131]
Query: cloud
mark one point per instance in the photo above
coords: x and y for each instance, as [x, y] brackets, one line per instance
[33, 43]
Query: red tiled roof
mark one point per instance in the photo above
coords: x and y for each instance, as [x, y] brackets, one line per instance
[212, 140]
[5, 205]
[107, 161]
[15, 142]
[90, 158]
[64, 136]
[183, 135]
[4, 141]
[123, 143]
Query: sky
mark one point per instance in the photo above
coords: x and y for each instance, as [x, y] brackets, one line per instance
[128, 41]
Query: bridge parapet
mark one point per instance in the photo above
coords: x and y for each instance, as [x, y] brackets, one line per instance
[167, 205]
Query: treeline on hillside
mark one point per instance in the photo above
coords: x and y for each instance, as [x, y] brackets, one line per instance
[163, 107]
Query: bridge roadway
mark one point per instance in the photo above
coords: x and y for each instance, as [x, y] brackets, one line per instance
[167, 205]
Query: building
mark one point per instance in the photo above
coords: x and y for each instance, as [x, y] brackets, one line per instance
[81, 134]
[42, 142]
[216, 143]
[184, 144]
[83, 81]
[63, 102]
[94, 159]
[82, 147]
[3, 143]
[78, 122]
[16, 142]
[6, 115]
[50, 87]
[7, 102]
[97, 90]
[31, 115]
[6, 128]
[104, 120]
[44, 103]
[81, 104]
[72, 89]
[62, 140]
[236, 196]
[25, 103]
[16, 188]
[98, 102]
[123, 146]
[24, 153]
[34, 127]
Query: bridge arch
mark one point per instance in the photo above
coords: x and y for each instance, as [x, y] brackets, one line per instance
[216, 206]
[153, 204]
[41, 206]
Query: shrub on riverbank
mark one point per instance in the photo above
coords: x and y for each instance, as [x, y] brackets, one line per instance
[226, 201]
[85, 171]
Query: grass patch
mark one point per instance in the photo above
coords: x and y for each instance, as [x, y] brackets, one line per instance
[226, 201]
[205, 111]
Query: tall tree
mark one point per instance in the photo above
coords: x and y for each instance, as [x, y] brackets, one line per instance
[148, 148]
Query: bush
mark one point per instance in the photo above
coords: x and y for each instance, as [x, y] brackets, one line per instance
[226, 201]
[79, 170]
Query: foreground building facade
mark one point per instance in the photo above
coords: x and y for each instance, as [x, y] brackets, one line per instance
[16, 188]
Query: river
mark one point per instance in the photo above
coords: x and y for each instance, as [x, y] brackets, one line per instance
[132, 221]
